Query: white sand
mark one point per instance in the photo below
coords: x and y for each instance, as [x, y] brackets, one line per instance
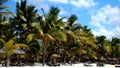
[80, 65]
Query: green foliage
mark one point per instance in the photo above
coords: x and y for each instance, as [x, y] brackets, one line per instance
[30, 38]
[10, 46]
[57, 34]
[47, 34]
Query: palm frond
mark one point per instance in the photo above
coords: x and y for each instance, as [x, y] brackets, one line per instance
[30, 37]
[57, 34]
[48, 37]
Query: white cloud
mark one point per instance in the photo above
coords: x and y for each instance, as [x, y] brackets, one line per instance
[119, 0]
[63, 11]
[83, 3]
[106, 17]
[39, 4]
[59, 1]
[76, 3]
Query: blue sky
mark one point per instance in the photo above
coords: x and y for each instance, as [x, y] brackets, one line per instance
[102, 17]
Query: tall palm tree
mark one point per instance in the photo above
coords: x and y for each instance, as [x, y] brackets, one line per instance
[47, 30]
[71, 38]
[22, 23]
[23, 19]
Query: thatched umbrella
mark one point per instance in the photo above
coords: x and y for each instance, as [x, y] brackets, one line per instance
[16, 51]
[85, 58]
[54, 57]
[103, 59]
[19, 51]
[114, 59]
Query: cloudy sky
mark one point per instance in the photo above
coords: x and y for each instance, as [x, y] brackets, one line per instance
[101, 16]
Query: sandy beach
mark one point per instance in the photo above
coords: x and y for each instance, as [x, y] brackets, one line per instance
[80, 65]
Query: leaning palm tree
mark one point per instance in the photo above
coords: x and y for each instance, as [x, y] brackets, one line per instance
[54, 25]
[51, 35]
[47, 30]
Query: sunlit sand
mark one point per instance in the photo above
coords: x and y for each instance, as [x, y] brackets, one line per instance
[80, 65]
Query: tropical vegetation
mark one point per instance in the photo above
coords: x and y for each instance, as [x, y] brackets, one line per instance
[46, 34]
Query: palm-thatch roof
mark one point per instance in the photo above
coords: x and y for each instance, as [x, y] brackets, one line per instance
[16, 51]
[55, 56]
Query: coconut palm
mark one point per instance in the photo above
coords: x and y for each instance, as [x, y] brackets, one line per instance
[23, 20]
[47, 31]
[85, 38]
[47, 34]
[86, 45]
[68, 46]
[104, 47]
[52, 35]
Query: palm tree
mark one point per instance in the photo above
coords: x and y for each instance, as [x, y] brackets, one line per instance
[87, 45]
[3, 12]
[104, 47]
[72, 20]
[3, 15]
[71, 38]
[23, 19]
[23, 23]
[47, 31]
[115, 43]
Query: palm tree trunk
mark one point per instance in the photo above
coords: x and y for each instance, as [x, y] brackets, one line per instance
[78, 58]
[44, 51]
[43, 57]
[7, 62]
[64, 58]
